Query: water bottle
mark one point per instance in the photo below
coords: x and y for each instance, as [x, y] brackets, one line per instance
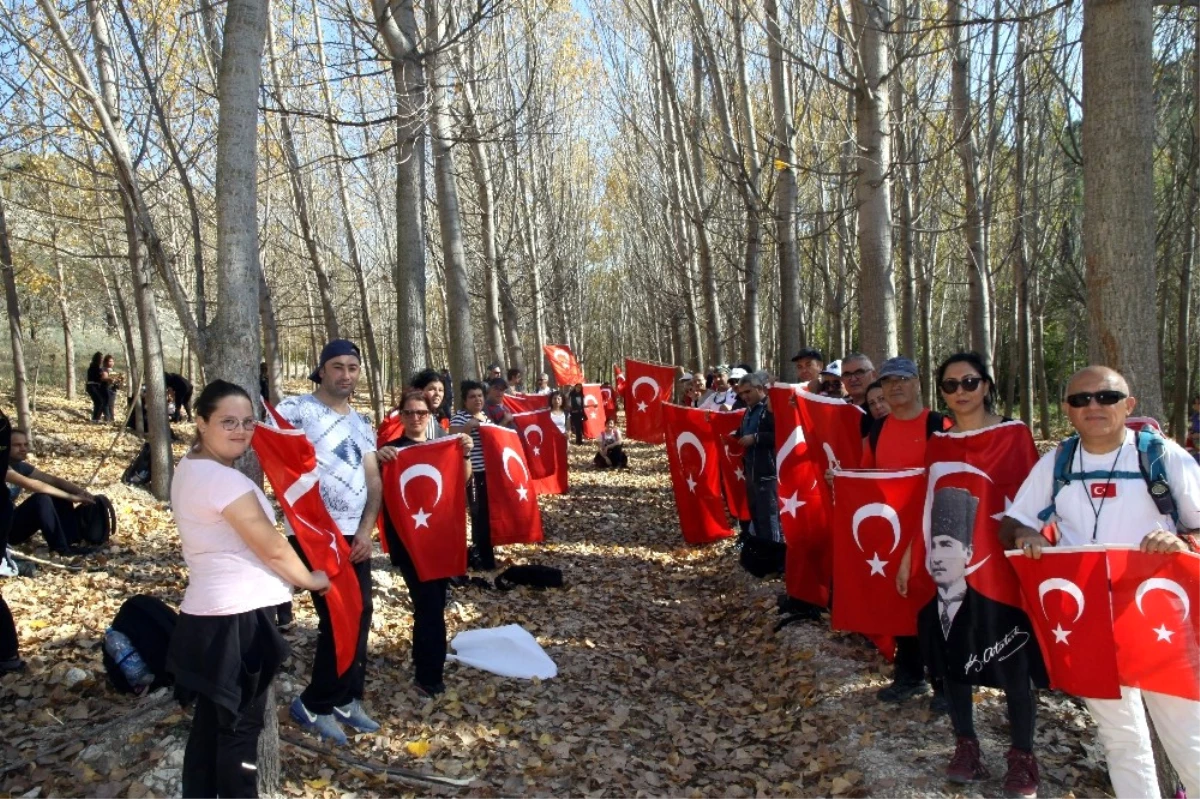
[121, 649]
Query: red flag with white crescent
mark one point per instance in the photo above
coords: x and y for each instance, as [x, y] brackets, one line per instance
[425, 498]
[290, 464]
[618, 380]
[609, 399]
[525, 403]
[876, 515]
[733, 477]
[593, 411]
[567, 371]
[512, 501]
[1156, 620]
[649, 386]
[390, 428]
[805, 506]
[695, 474]
[541, 455]
[1067, 598]
[834, 430]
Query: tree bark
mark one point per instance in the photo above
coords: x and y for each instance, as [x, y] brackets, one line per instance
[64, 313]
[1024, 356]
[16, 337]
[1118, 194]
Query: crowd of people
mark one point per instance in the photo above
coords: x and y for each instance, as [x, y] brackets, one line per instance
[241, 573]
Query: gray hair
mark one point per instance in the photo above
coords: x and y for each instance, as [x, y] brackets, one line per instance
[759, 379]
[857, 356]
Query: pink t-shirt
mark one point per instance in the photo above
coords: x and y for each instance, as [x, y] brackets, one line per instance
[225, 577]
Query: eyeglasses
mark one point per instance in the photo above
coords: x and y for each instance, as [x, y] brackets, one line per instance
[231, 424]
[414, 414]
[1084, 398]
[969, 384]
[857, 374]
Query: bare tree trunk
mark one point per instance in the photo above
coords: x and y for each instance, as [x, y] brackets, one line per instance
[876, 283]
[1180, 417]
[1024, 355]
[708, 275]
[458, 306]
[13, 305]
[64, 313]
[908, 304]
[1118, 194]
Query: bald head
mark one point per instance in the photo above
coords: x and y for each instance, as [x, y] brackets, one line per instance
[1096, 378]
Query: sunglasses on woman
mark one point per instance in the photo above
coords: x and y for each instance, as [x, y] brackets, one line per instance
[969, 384]
[1084, 398]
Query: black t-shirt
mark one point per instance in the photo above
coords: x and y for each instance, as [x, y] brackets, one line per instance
[864, 425]
[177, 383]
[94, 374]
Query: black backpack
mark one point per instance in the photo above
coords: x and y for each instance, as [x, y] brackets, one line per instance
[137, 473]
[148, 623]
[97, 522]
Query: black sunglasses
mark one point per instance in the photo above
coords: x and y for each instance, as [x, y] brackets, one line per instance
[950, 385]
[1084, 398]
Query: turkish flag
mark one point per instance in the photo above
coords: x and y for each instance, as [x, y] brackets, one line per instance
[425, 497]
[876, 515]
[593, 411]
[1067, 599]
[990, 464]
[390, 429]
[609, 399]
[1156, 620]
[290, 464]
[733, 476]
[805, 505]
[649, 386]
[540, 454]
[524, 403]
[618, 380]
[567, 371]
[695, 474]
[834, 430]
[512, 501]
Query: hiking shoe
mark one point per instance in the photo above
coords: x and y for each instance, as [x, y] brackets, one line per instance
[324, 725]
[966, 765]
[900, 691]
[352, 715]
[11, 665]
[430, 691]
[1021, 780]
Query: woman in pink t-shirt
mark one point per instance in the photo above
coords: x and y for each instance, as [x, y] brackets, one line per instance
[226, 649]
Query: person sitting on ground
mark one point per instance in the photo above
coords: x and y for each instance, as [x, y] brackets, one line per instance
[516, 381]
[1106, 464]
[831, 381]
[50, 507]
[543, 385]
[181, 388]
[493, 406]
[877, 406]
[10, 654]
[610, 448]
[558, 413]
[809, 363]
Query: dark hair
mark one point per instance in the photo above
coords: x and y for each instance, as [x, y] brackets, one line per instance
[414, 396]
[108, 355]
[513, 373]
[975, 360]
[467, 386]
[97, 358]
[550, 399]
[497, 382]
[424, 377]
[212, 395]
[878, 384]
[808, 352]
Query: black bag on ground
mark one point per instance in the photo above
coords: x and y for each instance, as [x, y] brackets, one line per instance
[148, 623]
[97, 522]
[533, 575]
[762, 558]
[137, 473]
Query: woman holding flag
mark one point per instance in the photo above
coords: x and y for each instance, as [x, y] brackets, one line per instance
[428, 596]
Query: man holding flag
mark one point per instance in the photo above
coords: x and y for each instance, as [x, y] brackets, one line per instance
[348, 471]
[1106, 499]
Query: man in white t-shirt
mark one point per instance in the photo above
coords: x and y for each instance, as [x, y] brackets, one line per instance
[1116, 508]
[348, 469]
[722, 396]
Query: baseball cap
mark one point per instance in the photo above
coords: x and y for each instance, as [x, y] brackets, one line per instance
[685, 376]
[898, 367]
[334, 349]
[808, 352]
[737, 373]
[834, 368]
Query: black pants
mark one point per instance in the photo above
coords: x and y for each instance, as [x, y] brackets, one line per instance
[616, 455]
[326, 690]
[1022, 710]
[54, 517]
[8, 629]
[429, 615]
[910, 667]
[762, 497]
[99, 396]
[577, 426]
[183, 404]
[220, 746]
[481, 525]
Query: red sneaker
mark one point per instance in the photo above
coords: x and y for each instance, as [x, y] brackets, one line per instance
[1022, 777]
[966, 765]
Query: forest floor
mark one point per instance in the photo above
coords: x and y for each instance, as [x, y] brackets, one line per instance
[672, 680]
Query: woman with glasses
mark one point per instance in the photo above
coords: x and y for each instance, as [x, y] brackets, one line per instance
[430, 384]
[428, 596]
[976, 467]
[226, 650]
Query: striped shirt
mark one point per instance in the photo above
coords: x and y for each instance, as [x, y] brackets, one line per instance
[462, 419]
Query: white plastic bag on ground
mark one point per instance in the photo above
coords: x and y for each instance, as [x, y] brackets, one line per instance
[509, 651]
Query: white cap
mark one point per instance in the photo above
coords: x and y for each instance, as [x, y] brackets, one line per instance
[833, 368]
[737, 373]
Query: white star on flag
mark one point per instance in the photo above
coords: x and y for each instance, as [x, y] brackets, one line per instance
[1060, 635]
[523, 493]
[792, 504]
[1163, 633]
[691, 484]
[876, 565]
[421, 517]
[739, 474]
[537, 451]
[642, 407]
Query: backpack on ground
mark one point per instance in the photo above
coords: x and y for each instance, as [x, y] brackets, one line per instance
[1152, 469]
[148, 623]
[137, 473]
[97, 522]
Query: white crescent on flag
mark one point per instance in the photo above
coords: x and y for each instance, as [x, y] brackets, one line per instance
[688, 438]
[421, 470]
[1067, 587]
[507, 457]
[562, 356]
[645, 379]
[590, 399]
[1162, 584]
[883, 511]
[795, 439]
[530, 429]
